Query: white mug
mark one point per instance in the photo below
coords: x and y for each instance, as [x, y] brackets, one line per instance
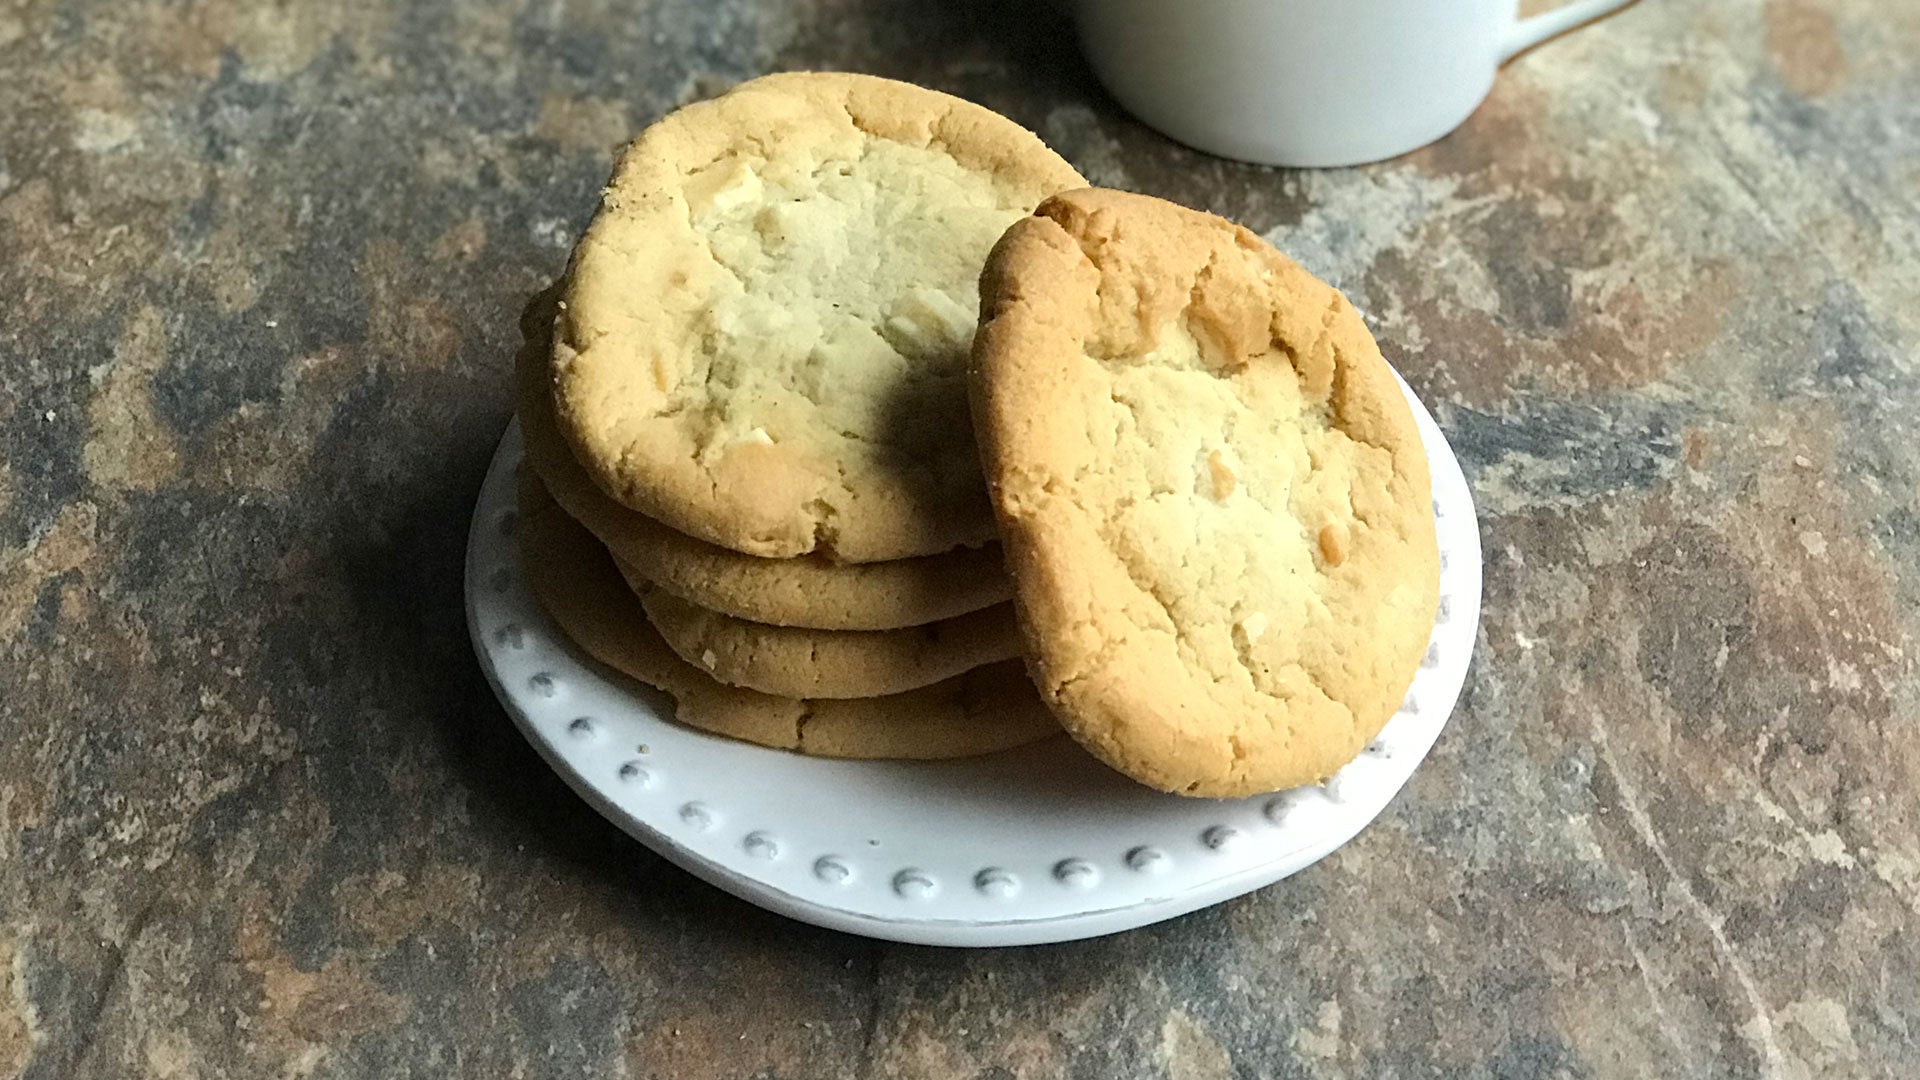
[1310, 82]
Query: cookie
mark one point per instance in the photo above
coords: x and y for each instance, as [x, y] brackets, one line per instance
[1214, 501]
[808, 590]
[765, 331]
[793, 662]
[987, 709]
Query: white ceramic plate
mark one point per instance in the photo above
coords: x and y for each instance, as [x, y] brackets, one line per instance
[1032, 845]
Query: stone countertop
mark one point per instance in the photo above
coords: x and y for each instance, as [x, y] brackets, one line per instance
[259, 815]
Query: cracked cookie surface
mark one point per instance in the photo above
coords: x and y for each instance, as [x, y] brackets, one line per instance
[806, 590]
[1214, 501]
[765, 333]
[987, 709]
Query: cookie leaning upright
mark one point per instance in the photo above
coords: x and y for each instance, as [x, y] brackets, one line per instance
[1213, 499]
[766, 326]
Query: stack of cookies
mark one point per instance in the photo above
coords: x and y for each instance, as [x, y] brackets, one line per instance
[1171, 499]
[746, 405]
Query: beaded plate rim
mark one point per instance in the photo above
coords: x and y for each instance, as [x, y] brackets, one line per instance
[704, 803]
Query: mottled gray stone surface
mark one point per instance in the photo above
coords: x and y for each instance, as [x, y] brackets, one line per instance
[259, 816]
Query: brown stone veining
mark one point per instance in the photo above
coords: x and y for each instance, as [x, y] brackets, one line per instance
[260, 816]
[1804, 45]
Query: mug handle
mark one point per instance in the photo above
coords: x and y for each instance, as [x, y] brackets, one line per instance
[1524, 34]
